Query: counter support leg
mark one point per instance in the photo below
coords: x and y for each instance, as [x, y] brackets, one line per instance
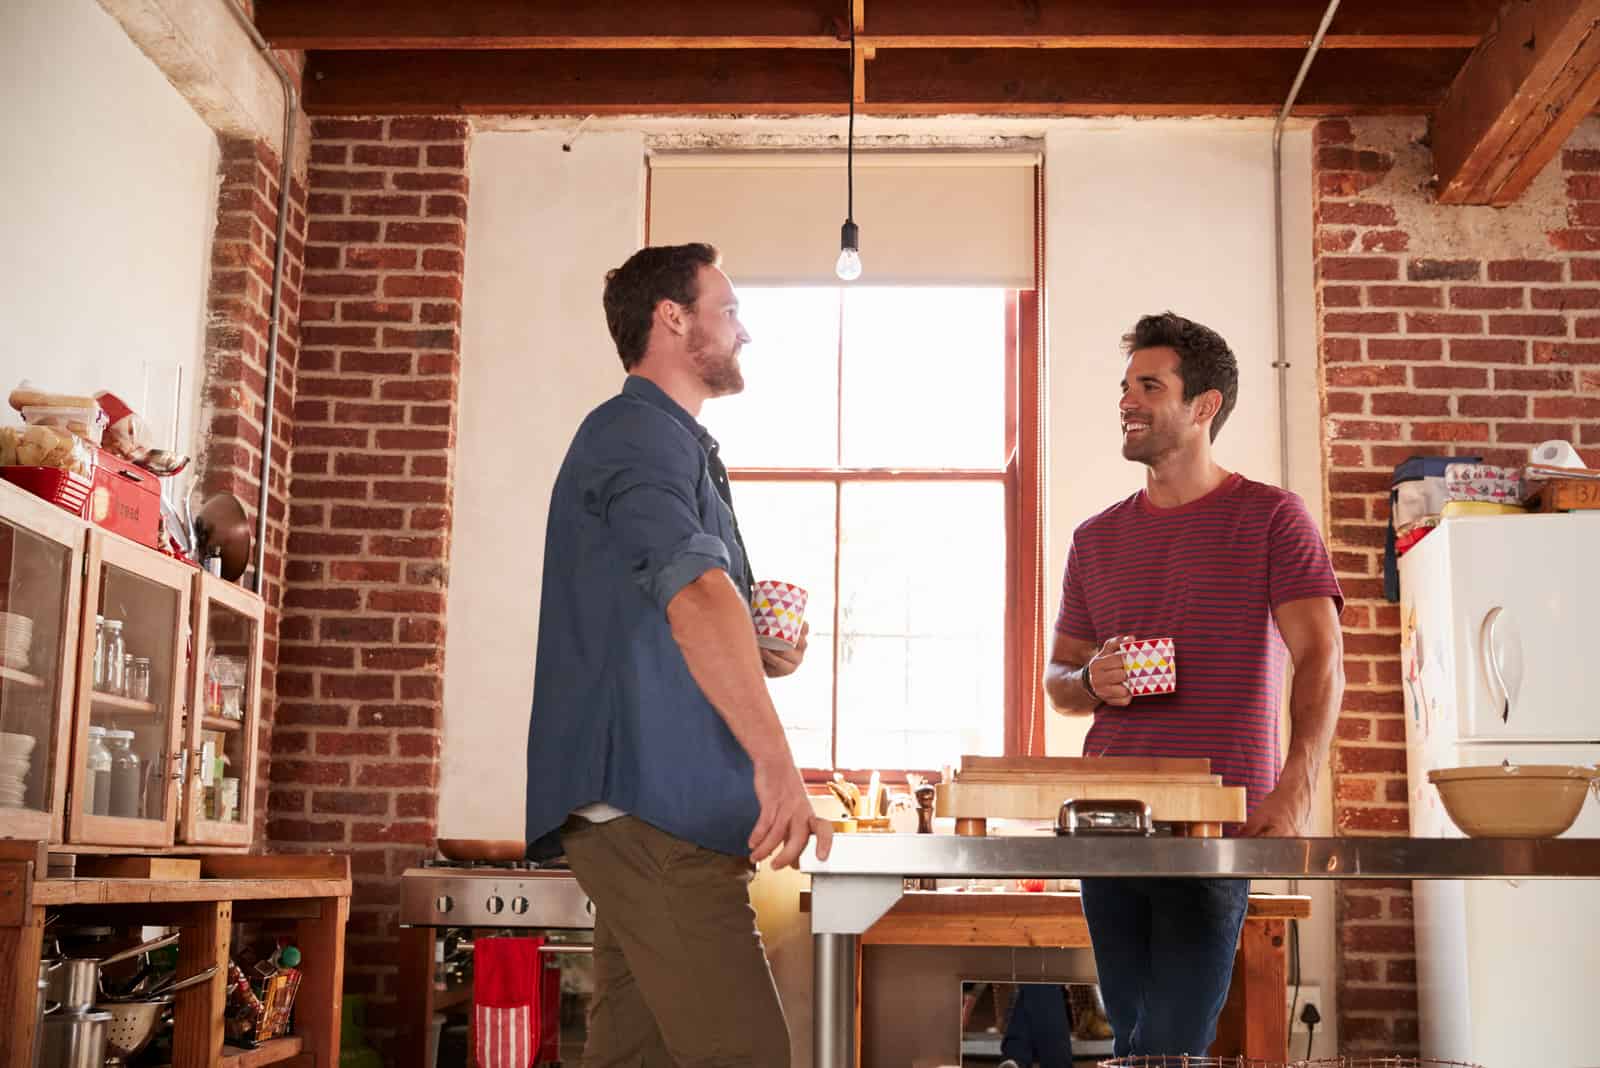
[834, 982]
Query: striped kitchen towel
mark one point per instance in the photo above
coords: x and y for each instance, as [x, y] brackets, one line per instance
[516, 1003]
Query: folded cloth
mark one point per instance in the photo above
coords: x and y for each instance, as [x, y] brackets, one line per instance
[516, 1003]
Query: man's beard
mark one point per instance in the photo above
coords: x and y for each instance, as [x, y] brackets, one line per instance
[718, 371]
[1149, 447]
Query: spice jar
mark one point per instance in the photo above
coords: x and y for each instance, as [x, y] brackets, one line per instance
[138, 680]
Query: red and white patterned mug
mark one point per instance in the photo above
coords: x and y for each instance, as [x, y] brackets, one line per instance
[1151, 665]
[779, 610]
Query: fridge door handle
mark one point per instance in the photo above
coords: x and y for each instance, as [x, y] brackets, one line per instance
[1489, 652]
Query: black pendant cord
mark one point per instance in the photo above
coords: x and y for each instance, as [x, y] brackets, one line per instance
[850, 139]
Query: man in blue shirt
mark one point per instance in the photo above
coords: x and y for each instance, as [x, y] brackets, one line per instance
[656, 761]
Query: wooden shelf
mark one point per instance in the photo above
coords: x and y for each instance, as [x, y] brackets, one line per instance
[11, 674]
[124, 704]
[270, 1052]
[220, 723]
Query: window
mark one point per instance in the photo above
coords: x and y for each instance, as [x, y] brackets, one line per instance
[876, 460]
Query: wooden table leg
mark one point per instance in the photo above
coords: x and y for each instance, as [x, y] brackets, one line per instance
[415, 995]
[318, 1007]
[198, 1011]
[20, 948]
[1254, 1021]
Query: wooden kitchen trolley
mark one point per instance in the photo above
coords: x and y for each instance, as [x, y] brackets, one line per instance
[311, 892]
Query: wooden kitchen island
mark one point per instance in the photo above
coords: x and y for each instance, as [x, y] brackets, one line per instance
[1253, 1023]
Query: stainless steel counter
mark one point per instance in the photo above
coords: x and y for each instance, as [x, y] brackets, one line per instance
[864, 876]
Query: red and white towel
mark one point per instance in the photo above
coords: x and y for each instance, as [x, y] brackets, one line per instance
[516, 1003]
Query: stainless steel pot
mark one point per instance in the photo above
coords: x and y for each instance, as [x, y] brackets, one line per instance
[75, 983]
[74, 1040]
[38, 1029]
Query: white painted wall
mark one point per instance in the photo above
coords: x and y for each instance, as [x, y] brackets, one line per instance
[1143, 216]
[543, 228]
[110, 181]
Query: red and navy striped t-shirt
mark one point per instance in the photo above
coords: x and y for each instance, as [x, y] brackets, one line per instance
[1207, 574]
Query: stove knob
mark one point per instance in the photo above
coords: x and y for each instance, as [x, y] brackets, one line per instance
[519, 905]
[443, 903]
[496, 904]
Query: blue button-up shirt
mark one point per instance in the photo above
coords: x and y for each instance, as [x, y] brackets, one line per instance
[634, 517]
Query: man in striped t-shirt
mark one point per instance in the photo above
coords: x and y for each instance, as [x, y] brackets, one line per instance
[1236, 573]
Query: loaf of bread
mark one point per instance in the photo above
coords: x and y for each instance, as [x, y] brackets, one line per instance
[28, 396]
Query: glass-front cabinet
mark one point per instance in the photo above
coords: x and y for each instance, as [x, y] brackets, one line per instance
[41, 569]
[132, 692]
[217, 802]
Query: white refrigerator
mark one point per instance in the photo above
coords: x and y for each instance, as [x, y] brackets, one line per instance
[1500, 660]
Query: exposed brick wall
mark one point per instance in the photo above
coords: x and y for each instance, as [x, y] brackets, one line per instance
[1443, 330]
[239, 309]
[356, 750]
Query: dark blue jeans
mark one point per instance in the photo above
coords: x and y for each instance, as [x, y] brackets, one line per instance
[1040, 1029]
[1164, 949]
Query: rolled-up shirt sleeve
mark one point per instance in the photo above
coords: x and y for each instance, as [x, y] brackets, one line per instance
[642, 483]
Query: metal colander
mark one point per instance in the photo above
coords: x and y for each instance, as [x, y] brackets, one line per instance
[133, 1024]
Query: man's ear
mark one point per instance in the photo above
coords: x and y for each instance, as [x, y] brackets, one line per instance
[673, 317]
[1207, 405]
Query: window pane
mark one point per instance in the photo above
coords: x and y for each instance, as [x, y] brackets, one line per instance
[924, 377]
[922, 582]
[788, 528]
[787, 415]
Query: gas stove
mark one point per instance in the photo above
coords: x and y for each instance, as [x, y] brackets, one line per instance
[515, 894]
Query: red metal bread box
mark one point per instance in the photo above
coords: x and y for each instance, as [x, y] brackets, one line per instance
[125, 499]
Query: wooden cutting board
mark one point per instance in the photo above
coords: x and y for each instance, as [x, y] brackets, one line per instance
[1177, 790]
[1169, 802]
[1180, 765]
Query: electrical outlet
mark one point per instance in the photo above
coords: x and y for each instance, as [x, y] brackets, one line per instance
[1310, 994]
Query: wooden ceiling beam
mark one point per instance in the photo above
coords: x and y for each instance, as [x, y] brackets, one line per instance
[991, 81]
[1159, 82]
[551, 24]
[1516, 99]
[910, 24]
[1228, 23]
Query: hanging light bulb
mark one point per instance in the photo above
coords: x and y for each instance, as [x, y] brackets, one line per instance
[848, 266]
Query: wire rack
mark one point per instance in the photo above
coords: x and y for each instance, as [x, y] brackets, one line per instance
[1182, 1061]
[1380, 1062]
[1249, 1062]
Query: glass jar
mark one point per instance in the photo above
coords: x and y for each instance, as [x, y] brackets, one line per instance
[115, 652]
[100, 652]
[97, 795]
[127, 776]
[138, 681]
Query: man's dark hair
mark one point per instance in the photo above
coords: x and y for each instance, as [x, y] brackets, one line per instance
[1204, 359]
[651, 275]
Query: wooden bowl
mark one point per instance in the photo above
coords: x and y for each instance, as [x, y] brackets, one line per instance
[1513, 800]
[484, 850]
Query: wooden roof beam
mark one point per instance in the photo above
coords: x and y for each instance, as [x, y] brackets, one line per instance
[903, 82]
[1516, 100]
[551, 24]
[911, 24]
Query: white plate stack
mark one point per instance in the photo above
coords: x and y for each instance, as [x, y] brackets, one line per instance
[16, 754]
[16, 640]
